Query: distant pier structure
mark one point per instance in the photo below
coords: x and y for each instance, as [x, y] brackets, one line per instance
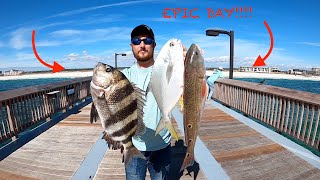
[259, 69]
[12, 72]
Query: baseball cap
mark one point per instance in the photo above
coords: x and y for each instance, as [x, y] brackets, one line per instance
[142, 30]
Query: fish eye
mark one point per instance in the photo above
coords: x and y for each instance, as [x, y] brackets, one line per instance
[108, 69]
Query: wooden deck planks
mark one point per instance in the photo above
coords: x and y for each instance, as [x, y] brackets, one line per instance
[112, 166]
[246, 154]
[8, 176]
[242, 152]
[55, 154]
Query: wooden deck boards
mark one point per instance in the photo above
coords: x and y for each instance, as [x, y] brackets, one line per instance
[112, 163]
[55, 154]
[242, 152]
[246, 154]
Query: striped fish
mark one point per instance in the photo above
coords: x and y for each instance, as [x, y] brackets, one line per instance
[116, 102]
[194, 97]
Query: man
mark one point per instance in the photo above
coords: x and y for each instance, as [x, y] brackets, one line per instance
[217, 73]
[156, 149]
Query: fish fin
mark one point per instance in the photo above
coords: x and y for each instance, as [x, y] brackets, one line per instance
[138, 91]
[171, 129]
[141, 128]
[132, 152]
[169, 71]
[149, 88]
[181, 103]
[204, 96]
[188, 161]
[167, 123]
[111, 143]
[175, 133]
[140, 95]
[205, 89]
[94, 116]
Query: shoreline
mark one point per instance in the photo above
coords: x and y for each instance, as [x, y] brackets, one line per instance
[66, 74]
[259, 75]
[77, 74]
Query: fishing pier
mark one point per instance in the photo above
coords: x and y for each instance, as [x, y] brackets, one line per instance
[247, 131]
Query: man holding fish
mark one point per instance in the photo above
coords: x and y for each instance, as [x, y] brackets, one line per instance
[154, 146]
[154, 89]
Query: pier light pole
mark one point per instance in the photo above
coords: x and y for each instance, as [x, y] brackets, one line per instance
[115, 58]
[216, 32]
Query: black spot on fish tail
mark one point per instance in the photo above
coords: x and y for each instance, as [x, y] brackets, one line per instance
[121, 93]
[121, 114]
[126, 129]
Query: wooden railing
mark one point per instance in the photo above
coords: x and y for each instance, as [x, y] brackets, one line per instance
[22, 108]
[295, 113]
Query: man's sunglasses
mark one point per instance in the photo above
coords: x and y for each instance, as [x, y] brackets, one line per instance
[137, 41]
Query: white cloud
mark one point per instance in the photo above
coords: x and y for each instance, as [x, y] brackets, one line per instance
[67, 32]
[85, 53]
[316, 44]
[72, 56]
[84, 56]
[21, 38]
[83, 10]
[47, 43]
[25, 56]
[18, 59]
[54, 24]
[218, 59]
[18, 38]
[101, 19]
[72, 36]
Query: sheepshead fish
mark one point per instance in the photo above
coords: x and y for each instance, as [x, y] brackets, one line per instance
[194, 97]
[116, 102]
[167, 81]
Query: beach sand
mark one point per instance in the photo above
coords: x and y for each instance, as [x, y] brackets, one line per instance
[76, 74]
[63, 74]
[267, 75]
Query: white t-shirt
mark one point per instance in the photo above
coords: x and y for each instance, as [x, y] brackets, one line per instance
[140, 76]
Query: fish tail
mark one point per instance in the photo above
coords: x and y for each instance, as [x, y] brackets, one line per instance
[130, 153]
[171, 129]
[188, 161]
[167, 123]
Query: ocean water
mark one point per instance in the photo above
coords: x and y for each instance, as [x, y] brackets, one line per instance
[6, 85]
[300, 85]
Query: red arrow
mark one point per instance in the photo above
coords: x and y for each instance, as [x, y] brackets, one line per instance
[260, 60]
[55, 68]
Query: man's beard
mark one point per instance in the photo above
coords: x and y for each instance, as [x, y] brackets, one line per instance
[144, 58]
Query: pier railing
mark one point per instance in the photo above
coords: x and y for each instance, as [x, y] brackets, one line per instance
[22, 108]
[291, 112]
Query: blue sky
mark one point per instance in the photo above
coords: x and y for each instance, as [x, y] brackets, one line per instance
[77, 33]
